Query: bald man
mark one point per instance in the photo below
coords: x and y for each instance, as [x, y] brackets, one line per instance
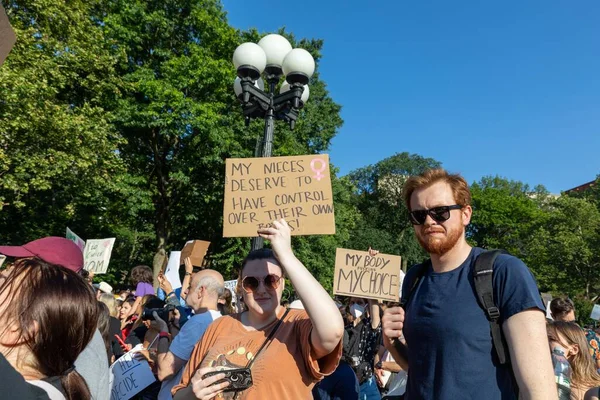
[203, 294]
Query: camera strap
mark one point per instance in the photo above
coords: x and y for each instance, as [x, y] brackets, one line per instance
[265, 343]
[268, 339]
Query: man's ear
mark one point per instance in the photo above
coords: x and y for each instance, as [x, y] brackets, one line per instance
[466, 213]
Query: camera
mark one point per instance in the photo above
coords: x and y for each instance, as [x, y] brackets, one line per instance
[163, 313]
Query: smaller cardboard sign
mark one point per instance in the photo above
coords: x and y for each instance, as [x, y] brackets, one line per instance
[595, 312]
[358, 274]
[259, 191]
[129, 376]
[75, 239]
[172, 270]
[7, 36]
[96, 255]
[232, 285]
[195, 250]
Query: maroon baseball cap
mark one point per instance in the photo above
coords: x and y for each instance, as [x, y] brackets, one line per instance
[52, 249]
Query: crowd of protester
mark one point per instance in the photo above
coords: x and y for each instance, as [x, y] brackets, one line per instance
[61, 332]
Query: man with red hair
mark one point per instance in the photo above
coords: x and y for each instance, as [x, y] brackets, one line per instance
[442, 336]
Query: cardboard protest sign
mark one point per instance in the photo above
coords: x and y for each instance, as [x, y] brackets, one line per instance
[75, 239]
[7, 36]
[96, 255]
[372, 277]
[261, 190]
[595, 312]
[231, 285]
[129, 376]
[172, 270]
[195, 250]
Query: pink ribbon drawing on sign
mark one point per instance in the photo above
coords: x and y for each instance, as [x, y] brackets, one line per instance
[318, 172]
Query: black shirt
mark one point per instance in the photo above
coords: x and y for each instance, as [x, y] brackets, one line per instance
[361, 348]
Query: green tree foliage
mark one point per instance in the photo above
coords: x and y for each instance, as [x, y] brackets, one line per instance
[505, 213]
[384, 223]
[566, 247]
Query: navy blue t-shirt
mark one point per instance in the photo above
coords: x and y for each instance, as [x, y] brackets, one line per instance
[450, 350]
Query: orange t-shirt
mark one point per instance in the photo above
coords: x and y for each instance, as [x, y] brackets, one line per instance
[285, 369]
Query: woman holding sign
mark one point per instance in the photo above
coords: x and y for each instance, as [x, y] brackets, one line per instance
[275, 353]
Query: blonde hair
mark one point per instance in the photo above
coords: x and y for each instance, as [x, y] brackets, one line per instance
[583, 366]
[460, 188]
[110, 302]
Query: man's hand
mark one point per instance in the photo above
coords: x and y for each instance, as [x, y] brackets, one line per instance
[159, 324]
[189, 268]
[392, 324]
[164, 283]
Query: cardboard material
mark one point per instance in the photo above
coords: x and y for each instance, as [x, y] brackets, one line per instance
[357, 274]
[129, 376]
[261, 190]
[7, 35]
[75, 239]
[196, 251]
[595, 312]
[97, 255]
[172, 270]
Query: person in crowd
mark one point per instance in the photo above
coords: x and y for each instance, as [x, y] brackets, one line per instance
[119, 304]
[48, 314]
[126, 317]
[364, 337]
[225, 306]
[203, 293]
[142, 278]
[390, 377]
[305, 346]
[104, 328]
[14, 386]
[114, 329]
[91, 363]
[342, 384]
[570, 337]
[101, 288]
[563, 309]
[449, 352]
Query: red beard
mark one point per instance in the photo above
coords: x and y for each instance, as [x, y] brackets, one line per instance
[440, 245]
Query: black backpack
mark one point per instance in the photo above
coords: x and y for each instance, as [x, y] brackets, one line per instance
[482, 277]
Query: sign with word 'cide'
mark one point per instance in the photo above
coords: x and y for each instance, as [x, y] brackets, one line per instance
[358, 274]
[259, 191]
[129, 376]
[97, 255]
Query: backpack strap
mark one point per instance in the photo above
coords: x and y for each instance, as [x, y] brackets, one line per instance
[422, 269]
[484, 287]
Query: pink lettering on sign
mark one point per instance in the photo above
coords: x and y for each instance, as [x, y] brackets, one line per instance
[318, 171]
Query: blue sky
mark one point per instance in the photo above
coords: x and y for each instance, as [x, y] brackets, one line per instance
[487, 88]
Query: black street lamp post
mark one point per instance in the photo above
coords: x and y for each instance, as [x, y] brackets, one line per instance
[274, 56]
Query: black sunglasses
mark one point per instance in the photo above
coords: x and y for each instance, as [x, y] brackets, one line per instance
[251, 283]
[438, 214]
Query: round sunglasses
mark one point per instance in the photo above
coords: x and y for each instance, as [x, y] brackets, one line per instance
[251, 283]
[438, 214]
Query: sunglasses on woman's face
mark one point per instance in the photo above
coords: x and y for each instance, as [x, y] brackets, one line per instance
[438, 214]
[251, 283]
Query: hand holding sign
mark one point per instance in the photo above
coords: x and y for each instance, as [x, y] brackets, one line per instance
[280, 237]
